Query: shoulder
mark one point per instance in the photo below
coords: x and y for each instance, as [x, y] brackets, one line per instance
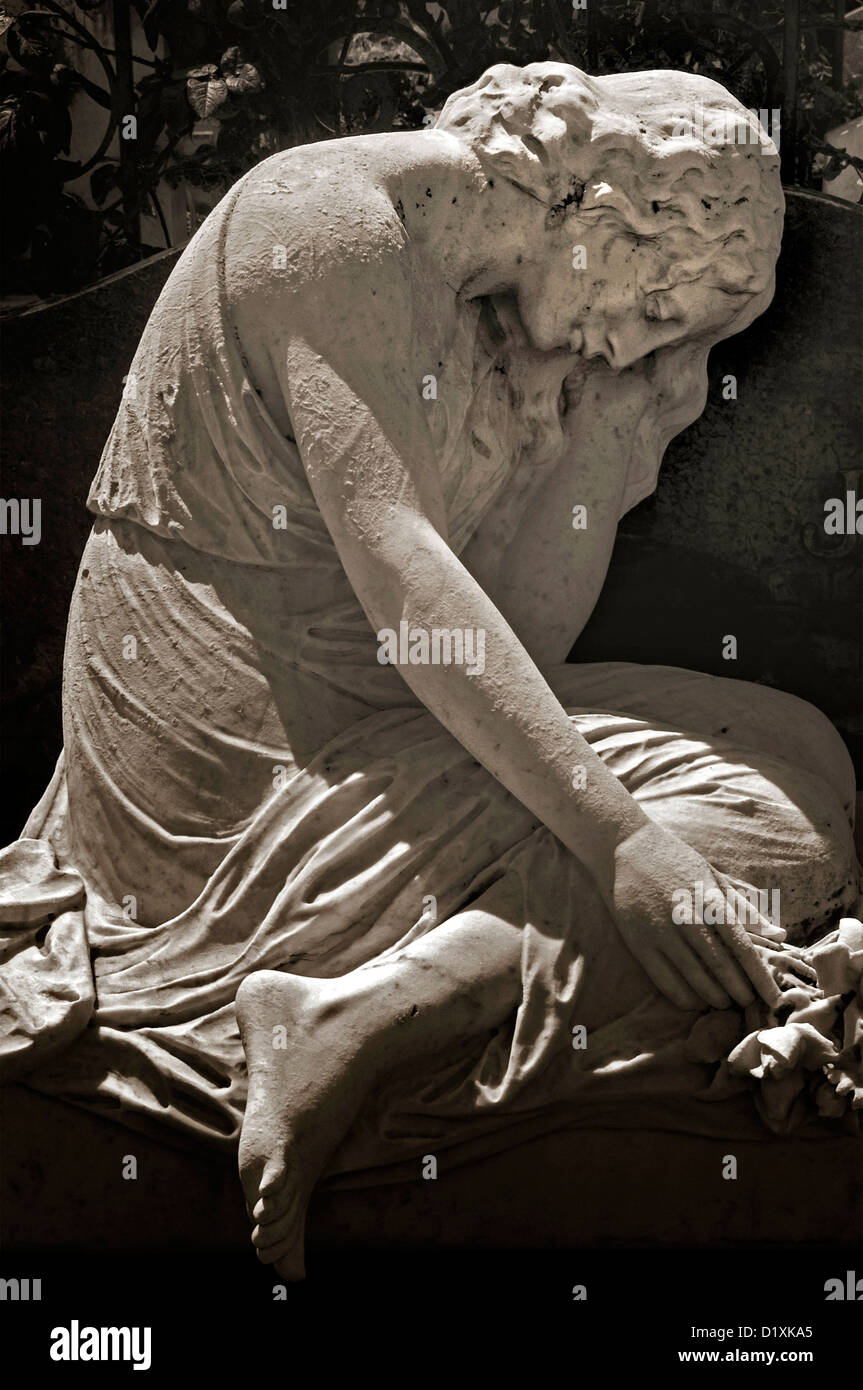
[319, 270]
[310, 225]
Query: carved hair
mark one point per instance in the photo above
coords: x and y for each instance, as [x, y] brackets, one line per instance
[667, 155]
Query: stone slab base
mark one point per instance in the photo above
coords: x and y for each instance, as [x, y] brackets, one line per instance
[63, 1188]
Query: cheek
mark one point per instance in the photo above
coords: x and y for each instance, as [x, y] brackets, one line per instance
[546, 314]
[632, 341]
[566, 291]
[540, 326]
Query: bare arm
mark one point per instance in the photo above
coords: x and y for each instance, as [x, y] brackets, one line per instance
[353, 392]
[383, 506]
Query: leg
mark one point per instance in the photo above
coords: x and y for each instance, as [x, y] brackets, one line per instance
[461, 979]
[756, 780]
[769, 826]
[741, 713]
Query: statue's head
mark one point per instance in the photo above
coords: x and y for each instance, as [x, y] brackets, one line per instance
[663, 203]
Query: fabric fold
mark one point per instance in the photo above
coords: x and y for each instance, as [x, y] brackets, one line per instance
[47, 992]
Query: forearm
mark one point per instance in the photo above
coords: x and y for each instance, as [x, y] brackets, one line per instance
[505, 715]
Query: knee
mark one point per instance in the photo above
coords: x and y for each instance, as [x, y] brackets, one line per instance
[796, 731]
[820, 881]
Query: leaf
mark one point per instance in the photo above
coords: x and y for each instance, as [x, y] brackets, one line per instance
[147, 11]
[240, 75]
[248, 79]
[8, 124]
[162, 105]
[33, 126]
[206, 90]
[29, 49]
[103, 181]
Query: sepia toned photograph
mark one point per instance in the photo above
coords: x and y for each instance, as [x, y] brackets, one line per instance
[431, 438]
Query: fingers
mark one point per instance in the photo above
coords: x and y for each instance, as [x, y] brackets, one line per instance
[738, 945]
[752, 960]
[803, 968]
[789, 963]
[768, 930]
[679, 975]
[745, 912]
[703, 981]
[669, 981]
[721, 965]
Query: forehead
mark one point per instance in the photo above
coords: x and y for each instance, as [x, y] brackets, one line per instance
[622, 270]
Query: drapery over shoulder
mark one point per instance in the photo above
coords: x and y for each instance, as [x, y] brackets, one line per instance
[182, 845]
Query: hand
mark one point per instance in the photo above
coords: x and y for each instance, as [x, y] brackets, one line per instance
[691, 964]
[789, 967]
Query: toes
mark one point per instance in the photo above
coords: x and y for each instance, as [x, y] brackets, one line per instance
[287, 1258]
[274, 1232]
[270, 1207]
[268, 1199]
[272, 1178]
[271, 1253]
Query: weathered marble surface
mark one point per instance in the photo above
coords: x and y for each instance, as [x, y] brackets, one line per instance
[62, 376]
[398, 867]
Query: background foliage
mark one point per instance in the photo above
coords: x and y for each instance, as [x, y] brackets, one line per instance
[272, 73]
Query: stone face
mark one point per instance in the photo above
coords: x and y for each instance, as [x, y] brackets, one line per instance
[358, 852]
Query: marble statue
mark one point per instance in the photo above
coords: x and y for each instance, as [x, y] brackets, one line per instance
[341, 863]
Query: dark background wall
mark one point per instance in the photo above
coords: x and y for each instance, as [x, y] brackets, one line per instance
[733, 541]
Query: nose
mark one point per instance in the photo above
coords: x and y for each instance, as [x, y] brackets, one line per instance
[596, 341]
[620, 345]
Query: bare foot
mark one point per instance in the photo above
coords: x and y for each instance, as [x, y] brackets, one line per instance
[304, 1093]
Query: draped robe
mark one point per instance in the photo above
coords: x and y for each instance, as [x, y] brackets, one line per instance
[182, 843]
